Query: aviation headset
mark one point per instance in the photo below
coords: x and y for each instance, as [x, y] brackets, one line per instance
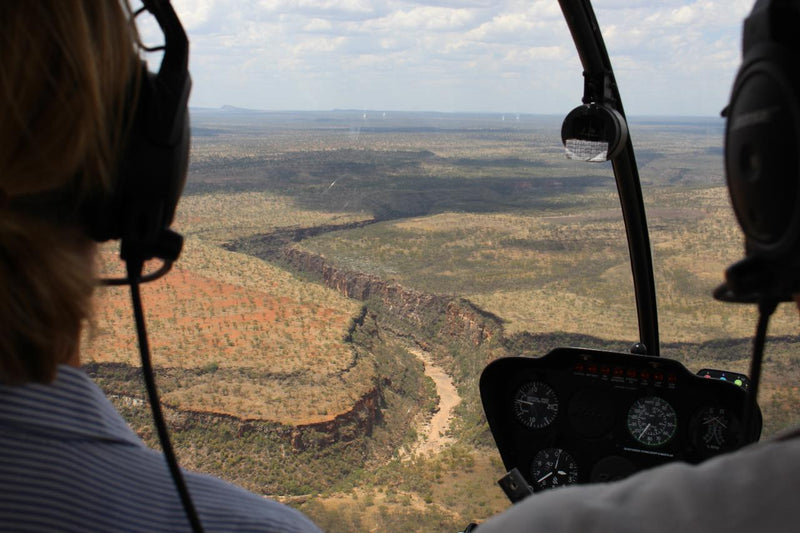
[140, 207]
[762, 156]
[151, 173]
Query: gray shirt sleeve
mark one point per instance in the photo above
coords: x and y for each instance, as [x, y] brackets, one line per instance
[754, 489]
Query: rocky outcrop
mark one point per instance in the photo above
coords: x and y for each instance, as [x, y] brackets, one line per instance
[466, 321]
[355, 423]
[455, 317]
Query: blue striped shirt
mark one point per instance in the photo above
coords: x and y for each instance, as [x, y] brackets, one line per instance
[69, 462]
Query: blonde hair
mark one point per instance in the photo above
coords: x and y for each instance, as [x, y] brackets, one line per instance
[66, 68]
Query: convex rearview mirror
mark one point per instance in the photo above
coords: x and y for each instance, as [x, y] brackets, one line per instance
[593, 133]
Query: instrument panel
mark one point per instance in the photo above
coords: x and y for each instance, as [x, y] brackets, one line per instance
[580, 416]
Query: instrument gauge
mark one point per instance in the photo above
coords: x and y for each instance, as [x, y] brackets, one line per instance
[714, 430]
[652, 421]
[553, 467]
[535, 405]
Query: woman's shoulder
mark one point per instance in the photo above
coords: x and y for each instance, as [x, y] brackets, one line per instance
[223, 506]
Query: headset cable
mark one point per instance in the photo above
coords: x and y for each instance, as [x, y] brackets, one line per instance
[134, 269]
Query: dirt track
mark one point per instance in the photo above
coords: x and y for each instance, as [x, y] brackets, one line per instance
[433, 434]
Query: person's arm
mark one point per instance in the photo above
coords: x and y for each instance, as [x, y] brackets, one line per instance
[755, 489]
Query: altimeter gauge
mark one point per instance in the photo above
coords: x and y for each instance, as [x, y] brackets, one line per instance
[553, 467]
[535, 405]
[652, 421]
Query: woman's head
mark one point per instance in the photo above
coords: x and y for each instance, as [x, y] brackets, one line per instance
[66, 67]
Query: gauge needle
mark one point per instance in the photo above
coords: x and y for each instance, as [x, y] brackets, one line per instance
[524, 402]
[555, 466]
[544, 477]
[644, 430]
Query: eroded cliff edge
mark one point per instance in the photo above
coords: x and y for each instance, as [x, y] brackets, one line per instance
[444, 325]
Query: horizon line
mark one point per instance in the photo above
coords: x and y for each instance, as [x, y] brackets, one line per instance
[245, 110]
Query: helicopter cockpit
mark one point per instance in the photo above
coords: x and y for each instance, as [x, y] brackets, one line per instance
[580, 415]
[347, 269]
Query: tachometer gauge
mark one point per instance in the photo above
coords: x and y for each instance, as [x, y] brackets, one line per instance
[535, 405]
[652, 421]
[553, 467]
[714, 430]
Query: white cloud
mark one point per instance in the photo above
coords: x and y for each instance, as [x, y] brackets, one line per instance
[425, 18]
[318, 25]
[193, 13]
[316, 6]
[318, 45]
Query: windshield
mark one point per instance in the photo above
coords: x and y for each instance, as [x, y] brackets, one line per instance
[378, 204]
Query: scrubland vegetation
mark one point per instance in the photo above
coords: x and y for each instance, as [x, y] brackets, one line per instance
[250, 334]
[472, 208]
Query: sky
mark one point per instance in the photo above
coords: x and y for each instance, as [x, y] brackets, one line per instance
[670, 57]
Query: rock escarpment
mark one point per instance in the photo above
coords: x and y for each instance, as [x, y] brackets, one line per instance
[423, 318]
[456, 317]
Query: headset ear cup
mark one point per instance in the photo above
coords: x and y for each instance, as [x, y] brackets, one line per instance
[102, 214]
[762, 151]
[152, 169]
[155, 164]
[762, 156]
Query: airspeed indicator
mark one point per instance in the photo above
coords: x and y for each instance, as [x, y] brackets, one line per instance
[652, 421]
[535, 405]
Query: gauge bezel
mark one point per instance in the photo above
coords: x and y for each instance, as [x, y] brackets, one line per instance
[545, 473]
[547, 397]
[660, 423]
[700, 433]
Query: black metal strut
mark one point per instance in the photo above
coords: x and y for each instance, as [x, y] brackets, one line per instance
[601, 87]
